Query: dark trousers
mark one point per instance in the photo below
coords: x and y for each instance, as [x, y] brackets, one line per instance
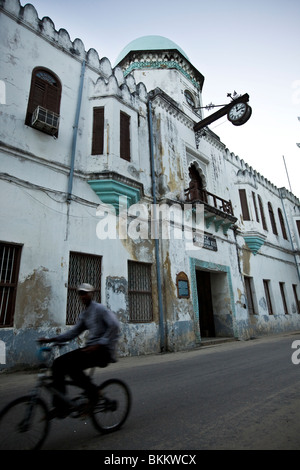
[73, 364]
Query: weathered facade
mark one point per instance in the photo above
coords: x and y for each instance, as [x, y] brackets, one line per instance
[104, 180]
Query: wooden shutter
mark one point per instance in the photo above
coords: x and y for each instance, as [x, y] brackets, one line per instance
[255, 206]
[98, 131]
[272, 219]
[43, 92]
[244, 204]
[298, 226]
[281, 220]
[261, 208]
[124, 136]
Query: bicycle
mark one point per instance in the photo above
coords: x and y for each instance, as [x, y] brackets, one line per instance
[25, 421]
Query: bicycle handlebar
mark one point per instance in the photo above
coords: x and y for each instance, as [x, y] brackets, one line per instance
[47, 349]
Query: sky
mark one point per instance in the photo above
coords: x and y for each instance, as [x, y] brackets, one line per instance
[247, 46]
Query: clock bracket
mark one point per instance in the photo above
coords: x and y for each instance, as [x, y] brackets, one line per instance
[221, 112]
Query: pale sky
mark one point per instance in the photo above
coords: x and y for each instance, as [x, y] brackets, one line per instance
[250, 46]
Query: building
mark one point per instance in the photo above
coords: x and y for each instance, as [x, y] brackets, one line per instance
[104, 179]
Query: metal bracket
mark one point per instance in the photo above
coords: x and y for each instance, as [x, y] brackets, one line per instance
[221, 112]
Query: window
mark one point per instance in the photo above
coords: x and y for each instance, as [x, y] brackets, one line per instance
[98, 131]
[9, 273]
[244, 204]
[268, 296]
[298, 226]
[196, 187]
[255, 206]
[189, 98]
[183, 288]
[45, 92]
[272, 218]
[296, 298]
[82, 268]
[282, 291]
[281, 220]
[262, 213]
[125, 136]
[140, 292]
[249, 294]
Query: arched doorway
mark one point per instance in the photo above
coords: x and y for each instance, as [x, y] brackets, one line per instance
[196, 186]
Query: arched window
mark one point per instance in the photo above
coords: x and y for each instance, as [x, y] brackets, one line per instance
[189, 98]
[281, 220]
[196, 187]
[262, 213]
[272, 218]
[44, 101]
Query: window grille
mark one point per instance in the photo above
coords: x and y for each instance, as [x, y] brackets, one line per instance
[82, 268]
[9, 273]
[140, 292]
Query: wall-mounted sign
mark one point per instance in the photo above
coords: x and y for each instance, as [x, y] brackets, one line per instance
[207, 241]
[183, 288]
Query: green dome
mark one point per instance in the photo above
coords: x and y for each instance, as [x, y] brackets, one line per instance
[149, 43]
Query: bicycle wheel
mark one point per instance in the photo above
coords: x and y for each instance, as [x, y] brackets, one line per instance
[113, 406]
[23, 425]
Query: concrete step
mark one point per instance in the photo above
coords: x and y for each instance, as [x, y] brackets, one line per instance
[214, 340]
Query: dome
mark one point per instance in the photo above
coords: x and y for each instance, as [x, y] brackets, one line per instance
[149, 43]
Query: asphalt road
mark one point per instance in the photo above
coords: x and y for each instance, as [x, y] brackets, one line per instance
[233, 396]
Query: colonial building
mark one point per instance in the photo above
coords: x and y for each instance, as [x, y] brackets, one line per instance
[105, 178]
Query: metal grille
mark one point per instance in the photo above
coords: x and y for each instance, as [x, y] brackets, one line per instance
[82, 268]
[140, 292]
[9, 273]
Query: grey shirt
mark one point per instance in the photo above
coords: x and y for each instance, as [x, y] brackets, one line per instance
[102, 324]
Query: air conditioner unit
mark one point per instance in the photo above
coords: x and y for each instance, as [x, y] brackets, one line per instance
[45, 120]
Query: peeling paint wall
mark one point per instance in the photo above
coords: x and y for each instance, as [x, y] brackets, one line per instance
[36, 214]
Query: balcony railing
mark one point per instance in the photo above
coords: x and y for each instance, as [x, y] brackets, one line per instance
[203, 196]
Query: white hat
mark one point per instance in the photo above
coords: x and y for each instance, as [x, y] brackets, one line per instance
[85, 288]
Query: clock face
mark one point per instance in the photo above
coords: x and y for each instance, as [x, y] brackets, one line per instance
[237, 111]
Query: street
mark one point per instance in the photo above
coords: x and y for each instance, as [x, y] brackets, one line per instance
[238, 395]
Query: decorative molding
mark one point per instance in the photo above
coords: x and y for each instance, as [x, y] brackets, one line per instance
[254, 240]
[110, 190]
[160, 64]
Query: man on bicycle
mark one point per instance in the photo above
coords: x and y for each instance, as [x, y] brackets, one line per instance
[100, 349]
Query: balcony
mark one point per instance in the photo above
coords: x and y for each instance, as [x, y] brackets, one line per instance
[217, 211]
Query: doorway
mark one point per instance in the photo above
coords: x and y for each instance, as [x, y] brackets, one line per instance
[206, 314]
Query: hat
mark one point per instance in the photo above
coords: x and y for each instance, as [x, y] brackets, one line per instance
[85, 288]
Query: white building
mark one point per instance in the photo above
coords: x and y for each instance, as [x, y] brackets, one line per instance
[76, 134]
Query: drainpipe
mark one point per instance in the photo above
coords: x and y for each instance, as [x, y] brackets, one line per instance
[287, 223]
[75, 133]
[160, 304]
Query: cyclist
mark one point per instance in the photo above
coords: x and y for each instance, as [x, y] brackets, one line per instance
[99, 351]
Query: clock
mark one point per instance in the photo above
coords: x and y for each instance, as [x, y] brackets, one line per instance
[239, 113]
